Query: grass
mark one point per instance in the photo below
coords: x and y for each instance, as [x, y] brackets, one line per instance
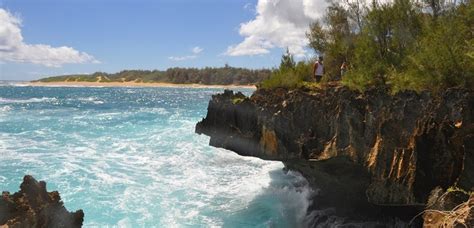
[237, 100]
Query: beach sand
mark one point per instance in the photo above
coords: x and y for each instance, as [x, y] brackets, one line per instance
[135, 84]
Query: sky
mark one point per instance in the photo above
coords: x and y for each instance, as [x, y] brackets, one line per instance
[41, 38]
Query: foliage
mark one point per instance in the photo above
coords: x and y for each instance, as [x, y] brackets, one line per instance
[405, 44]
[237, 100]
[441, 59]
[289, 75]
[207, 76]
[287, 61]
[334, 41]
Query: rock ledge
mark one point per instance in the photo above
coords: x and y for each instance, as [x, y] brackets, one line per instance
[33, 206]
[370, 154]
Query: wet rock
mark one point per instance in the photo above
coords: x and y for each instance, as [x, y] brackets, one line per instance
[33, 206]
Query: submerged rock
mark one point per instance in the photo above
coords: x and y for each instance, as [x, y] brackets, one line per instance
[371, 155]
[33, 206]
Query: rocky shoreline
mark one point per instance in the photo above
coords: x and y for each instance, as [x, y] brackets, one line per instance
[374, 157]
[33, 206]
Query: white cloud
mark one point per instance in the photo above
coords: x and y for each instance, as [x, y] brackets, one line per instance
[182, 58]
[278, 23]
[14, 49]
[195, 50]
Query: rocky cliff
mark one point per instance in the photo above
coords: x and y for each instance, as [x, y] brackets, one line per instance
[33, 206]
[370, 154]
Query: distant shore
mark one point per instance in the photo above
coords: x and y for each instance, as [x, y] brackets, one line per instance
[135, 84]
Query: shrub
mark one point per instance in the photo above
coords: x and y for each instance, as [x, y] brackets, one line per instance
[289, 77]
[403, 44]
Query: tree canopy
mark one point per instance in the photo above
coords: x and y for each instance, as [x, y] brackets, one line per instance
[401, 44]
[206, 76]
[405, 44]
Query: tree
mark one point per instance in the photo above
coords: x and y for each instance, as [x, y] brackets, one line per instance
[287, 61]
[333, 38]
[403, 44]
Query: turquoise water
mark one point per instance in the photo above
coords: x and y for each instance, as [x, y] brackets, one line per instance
[129, 157]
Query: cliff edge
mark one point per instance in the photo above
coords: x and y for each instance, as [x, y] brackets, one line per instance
[33, 206]
[369, 154]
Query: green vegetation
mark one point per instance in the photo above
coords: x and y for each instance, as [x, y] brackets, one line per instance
[237, 100]
[206, 76]
[289, 74]
[457, 189]
[404, 44]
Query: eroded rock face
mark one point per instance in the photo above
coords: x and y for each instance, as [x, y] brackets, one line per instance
[402, 145]
[33, 206]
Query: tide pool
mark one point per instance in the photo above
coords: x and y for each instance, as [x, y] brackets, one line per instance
[129, 157]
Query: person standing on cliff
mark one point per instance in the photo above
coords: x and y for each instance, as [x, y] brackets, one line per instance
[343, 69]
[318, 69]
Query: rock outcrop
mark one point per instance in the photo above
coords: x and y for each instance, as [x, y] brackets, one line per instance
[454, 208]
[368, 153]
[33, 206]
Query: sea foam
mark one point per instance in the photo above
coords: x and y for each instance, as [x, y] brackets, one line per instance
[133, 160]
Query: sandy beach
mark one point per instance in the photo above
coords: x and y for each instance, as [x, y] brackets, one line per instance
[135, 84]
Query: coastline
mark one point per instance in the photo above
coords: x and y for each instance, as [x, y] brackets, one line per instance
[135, 84]
[346, 142]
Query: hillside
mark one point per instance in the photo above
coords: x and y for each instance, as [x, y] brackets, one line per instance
[205, 76]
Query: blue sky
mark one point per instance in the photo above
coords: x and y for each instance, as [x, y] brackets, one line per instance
[106, 35]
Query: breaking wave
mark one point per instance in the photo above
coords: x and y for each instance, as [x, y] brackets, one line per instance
[129, 157]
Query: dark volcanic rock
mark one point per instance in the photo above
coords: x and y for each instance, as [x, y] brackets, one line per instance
[368, 153]
[33, 206]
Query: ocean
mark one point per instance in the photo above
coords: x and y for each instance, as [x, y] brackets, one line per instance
[129, 157]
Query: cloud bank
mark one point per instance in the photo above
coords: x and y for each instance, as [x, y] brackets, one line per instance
[14, 49]
[278, 24]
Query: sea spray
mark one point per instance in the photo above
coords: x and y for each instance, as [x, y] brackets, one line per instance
[129, 157]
